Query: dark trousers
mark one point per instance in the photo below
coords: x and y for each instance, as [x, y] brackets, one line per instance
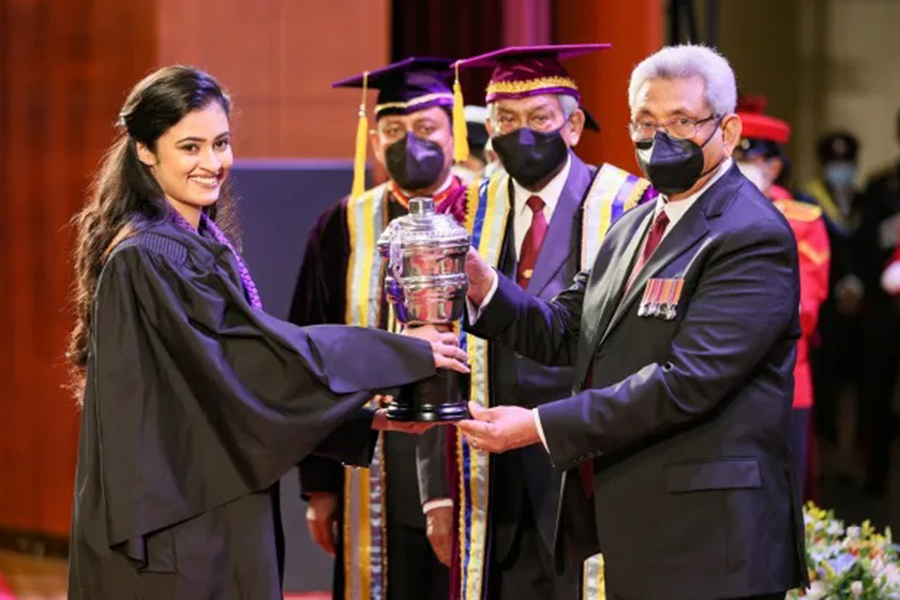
[413, 570]
[877, 423]
[800, 424]
[526, 573]
[836, 364]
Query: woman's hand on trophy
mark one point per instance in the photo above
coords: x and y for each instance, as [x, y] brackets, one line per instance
[444, 345]
[481, 277]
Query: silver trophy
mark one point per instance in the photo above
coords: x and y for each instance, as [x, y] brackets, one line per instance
[426, 283]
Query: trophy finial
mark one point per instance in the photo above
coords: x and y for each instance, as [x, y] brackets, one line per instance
[421, 206]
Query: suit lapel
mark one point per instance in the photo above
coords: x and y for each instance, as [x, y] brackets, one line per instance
[692, 227]
[607, 290]
[604, 291]
[557, 246]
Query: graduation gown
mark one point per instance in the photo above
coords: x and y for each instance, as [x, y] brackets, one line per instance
[195, 405]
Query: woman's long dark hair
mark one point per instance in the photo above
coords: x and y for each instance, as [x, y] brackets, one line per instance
[125, 197]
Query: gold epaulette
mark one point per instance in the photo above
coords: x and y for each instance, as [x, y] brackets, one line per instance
[795, 210]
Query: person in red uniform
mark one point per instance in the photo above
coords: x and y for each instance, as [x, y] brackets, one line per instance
[761, 157]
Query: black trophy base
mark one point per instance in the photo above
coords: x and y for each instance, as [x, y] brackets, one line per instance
[433, 400]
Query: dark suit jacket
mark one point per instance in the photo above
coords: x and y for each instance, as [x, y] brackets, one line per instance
[525, 479]
[687, 422]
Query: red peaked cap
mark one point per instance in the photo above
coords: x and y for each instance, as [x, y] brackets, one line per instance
[758, 126]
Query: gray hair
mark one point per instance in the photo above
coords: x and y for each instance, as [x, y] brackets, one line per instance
[569, 104]
[685, 61]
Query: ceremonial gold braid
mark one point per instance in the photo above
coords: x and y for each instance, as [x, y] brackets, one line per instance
[516, 87]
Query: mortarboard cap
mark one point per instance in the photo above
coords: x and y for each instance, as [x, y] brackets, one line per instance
[403, 87]
[407, 86]
[521, 71]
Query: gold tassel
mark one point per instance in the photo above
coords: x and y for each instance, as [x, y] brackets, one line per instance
[362, 134]
[460, 135]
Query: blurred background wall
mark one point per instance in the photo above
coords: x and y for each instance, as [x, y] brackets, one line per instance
[824, 65]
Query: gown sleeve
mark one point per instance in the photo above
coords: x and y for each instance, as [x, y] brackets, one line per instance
[200, 399]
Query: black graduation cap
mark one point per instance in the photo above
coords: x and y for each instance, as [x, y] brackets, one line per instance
[407, 86]
[403, 87]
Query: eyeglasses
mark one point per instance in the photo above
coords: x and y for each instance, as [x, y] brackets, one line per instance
[680, 128]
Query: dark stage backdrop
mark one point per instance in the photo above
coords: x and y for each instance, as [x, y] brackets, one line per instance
[279, 202]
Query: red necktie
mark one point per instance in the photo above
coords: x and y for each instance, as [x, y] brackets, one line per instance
[531, 245]
[653, 239]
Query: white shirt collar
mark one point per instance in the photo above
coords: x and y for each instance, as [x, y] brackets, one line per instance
[549, 194]
[676, 210]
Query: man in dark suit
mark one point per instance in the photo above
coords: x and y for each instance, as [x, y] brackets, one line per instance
[535, 122]
[675, 442]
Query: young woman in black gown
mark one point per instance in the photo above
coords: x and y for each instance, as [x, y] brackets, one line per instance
[195, 401]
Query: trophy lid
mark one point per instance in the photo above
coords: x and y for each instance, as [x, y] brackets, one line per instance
[424, 226]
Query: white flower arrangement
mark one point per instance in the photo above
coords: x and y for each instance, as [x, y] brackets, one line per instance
[849, 563]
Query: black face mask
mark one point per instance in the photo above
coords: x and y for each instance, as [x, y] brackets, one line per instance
[528, 155]
[414, 163]
[673, 166]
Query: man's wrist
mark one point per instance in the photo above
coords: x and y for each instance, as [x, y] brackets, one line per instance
[437, 503]
[479, 292]
[540, 428]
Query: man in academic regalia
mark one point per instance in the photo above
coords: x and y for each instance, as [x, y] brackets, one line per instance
[761, 158]
[387, 553]
[539, 222]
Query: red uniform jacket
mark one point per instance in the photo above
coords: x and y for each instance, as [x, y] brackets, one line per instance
[812, 246]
